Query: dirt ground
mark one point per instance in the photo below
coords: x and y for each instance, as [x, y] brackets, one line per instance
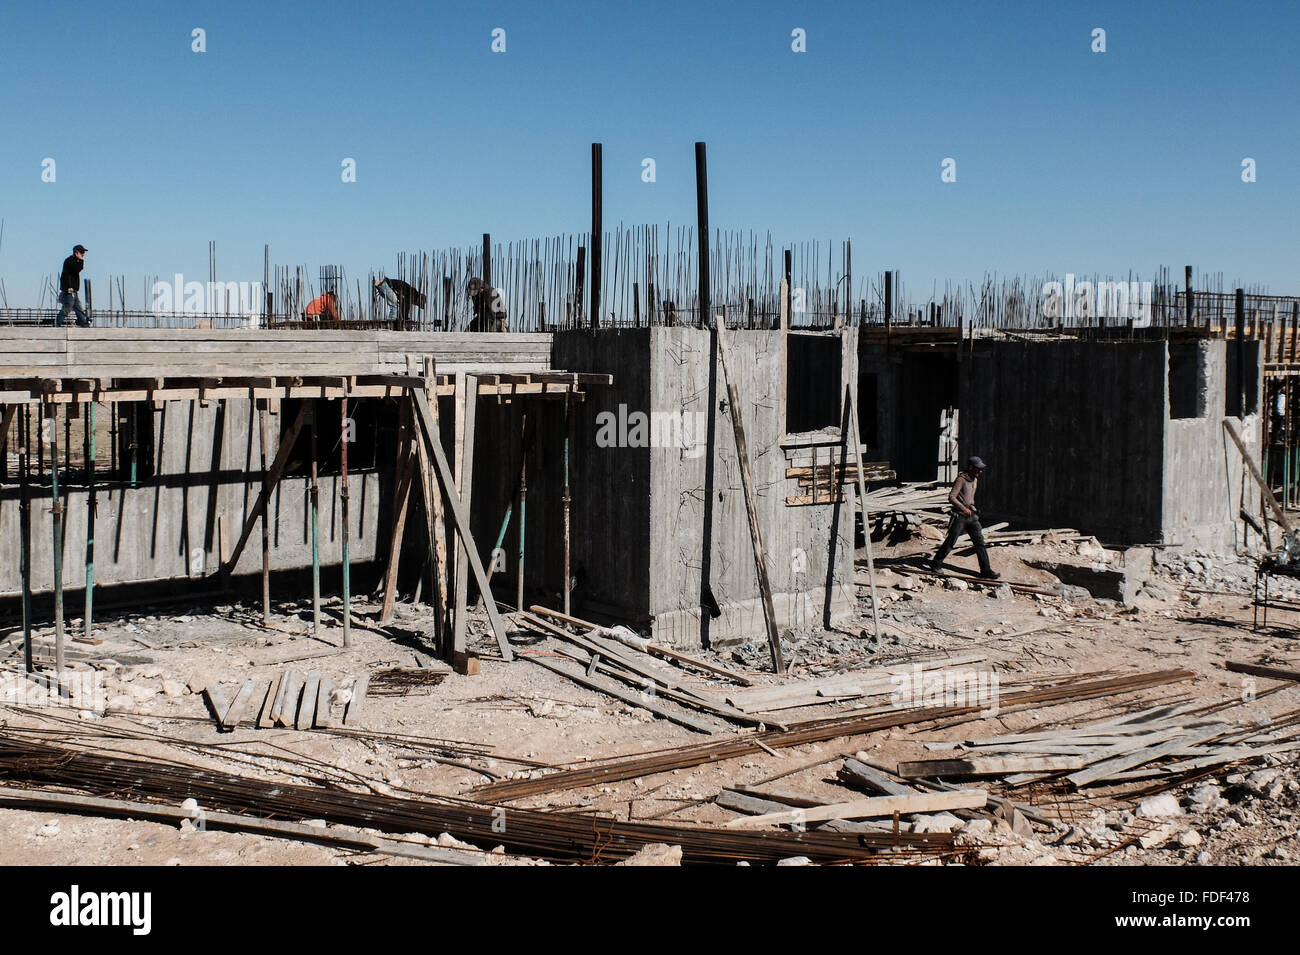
[512, 718]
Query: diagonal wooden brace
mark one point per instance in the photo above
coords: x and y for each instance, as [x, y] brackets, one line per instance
[272, 480]
[433, 443]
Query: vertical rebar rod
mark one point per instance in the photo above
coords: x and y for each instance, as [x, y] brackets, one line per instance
[343, 513]
[523, 501]
[266, 530]
[315, 527]
[89, 444]
[568, 437]
[51, 412]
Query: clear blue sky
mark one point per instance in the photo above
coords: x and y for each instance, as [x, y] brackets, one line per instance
[1066, 160]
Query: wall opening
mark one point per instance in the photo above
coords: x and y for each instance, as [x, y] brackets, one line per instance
[869, 410]
[813, 374]
[363, 450]
[1187, 381]
[1232, 399]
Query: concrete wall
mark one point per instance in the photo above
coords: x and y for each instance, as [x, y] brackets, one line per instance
[166, 527]
[1205, 483]
[809, 548]
[1073, 433]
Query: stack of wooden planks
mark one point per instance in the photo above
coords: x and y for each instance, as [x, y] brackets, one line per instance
[295, 699]
[642, 674]
[1164, 742]
[876, 681]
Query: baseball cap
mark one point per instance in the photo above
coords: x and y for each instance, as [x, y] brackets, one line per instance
[976, 462]
[80, 248]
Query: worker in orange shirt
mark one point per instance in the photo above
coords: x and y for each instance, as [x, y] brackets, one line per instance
[324, 307]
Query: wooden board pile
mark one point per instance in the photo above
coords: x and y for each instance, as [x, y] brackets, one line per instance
[1160, 743]
[876, 681]
[294, 699]
[626, 667]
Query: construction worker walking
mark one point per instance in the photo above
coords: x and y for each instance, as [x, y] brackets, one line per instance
[69, 286]
[965, 519]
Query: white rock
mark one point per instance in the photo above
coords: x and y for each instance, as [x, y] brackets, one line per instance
[51, 828]
[795, 860]
[173, 688]
[1189, 838]
[655, 853]
[1160, 807]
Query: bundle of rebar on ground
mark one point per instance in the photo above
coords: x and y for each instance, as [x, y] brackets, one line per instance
[684, 757]
[552, 835]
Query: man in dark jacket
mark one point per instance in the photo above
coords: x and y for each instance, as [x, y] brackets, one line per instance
[69, 285]
[403, 295]
[965, 519]
[488, 305]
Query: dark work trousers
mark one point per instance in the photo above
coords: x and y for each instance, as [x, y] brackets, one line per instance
[958, 525]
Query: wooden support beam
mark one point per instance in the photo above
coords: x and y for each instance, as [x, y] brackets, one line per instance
[751, 509]
[460, 516]
[466, 413]
[1267, 492]
[268, 488]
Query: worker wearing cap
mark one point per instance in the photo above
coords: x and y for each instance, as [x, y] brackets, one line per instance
[965, 519]
[69, 283]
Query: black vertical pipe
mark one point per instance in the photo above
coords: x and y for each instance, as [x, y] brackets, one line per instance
[702, 220]
[889, 298]
[597, 233]
[487, 263]
[848, 280]
[1239, 313]
[1187, 294]
[789, 287]
[577, 293]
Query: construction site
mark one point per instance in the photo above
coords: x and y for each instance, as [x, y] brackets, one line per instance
[644, 575]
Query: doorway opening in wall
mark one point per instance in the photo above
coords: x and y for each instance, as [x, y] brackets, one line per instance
[869, 411]
[1187, 381]
[813, 373]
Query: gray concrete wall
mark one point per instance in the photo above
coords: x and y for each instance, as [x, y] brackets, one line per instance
[1073, 433]
[1205, 481]
[166, 528]
[805, 545]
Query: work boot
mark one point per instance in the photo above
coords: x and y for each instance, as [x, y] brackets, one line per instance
[989, 574]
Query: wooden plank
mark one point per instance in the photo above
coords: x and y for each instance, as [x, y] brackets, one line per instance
[751, 509]
[872, 806]
[466, 415]
[241, 703]
[989, 766]
[1274, 508]
[324, 718]
[358, 697]
[1100, 771]
[607, 686]
[862, 776]
[307, 709]
[1269, 673]
[217, 703]
[264, 720]
[747, 804]
[460, 516]
[291, 687]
